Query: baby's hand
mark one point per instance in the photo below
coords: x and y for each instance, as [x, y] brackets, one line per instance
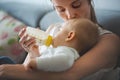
[26, 41]
[34, 51]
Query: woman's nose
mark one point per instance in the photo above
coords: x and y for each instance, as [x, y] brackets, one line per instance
[71, 15]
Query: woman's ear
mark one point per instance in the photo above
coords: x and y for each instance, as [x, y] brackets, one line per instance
[70, 36]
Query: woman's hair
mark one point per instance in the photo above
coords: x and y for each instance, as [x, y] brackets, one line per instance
[93, 16]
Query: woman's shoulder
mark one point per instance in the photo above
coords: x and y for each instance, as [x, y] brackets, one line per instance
[103, 31]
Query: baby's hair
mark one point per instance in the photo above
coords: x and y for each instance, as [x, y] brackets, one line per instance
[86, 32]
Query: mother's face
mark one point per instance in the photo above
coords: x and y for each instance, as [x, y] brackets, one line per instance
[69, 9]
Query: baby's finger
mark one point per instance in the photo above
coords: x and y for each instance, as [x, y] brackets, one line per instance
[30, 42]
[21, 33]
[23, 39]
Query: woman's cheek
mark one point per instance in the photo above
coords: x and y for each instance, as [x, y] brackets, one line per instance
[62, 15]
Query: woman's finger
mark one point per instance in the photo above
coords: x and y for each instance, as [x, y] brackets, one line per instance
[23, 39]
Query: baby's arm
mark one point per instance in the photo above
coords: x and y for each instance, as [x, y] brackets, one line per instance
[34, 51]
[32, 54]
[58, 59]
[32, 64]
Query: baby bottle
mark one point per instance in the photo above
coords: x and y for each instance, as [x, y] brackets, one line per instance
[42, 37]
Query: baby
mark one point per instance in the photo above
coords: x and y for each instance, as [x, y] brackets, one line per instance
[74, 37]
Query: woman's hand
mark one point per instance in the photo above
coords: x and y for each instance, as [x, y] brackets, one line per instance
[18, 72]
[12, 72]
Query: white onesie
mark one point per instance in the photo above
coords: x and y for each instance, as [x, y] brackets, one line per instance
[56, 59]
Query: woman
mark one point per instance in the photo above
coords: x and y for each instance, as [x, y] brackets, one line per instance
[102, 57]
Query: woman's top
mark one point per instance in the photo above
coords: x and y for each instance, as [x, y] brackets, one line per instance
[103, 74]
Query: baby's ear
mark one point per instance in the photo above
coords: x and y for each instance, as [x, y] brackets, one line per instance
[70, 36]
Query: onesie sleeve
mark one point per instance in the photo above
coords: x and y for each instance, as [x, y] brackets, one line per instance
[57, 59]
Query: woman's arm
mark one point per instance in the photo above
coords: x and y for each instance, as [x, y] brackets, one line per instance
[103, 55]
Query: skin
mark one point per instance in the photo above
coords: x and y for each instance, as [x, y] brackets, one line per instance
[103, 55]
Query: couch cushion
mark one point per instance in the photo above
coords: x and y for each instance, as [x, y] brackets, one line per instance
[9, 45]
[28, 11]
[48, 19]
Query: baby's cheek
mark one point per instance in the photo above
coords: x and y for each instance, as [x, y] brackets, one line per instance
[55, 42]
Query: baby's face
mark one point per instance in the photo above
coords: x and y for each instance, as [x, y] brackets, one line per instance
[61, 35]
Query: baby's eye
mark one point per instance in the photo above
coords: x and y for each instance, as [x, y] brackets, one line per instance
[76, 4]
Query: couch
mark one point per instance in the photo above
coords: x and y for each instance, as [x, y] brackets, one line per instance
[40, 13]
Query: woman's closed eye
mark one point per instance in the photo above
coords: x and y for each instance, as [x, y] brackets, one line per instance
[76, 4]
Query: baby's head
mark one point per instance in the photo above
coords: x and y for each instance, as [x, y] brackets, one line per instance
[77, 33]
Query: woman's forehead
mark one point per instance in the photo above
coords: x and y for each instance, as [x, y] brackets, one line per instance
[62, 2]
